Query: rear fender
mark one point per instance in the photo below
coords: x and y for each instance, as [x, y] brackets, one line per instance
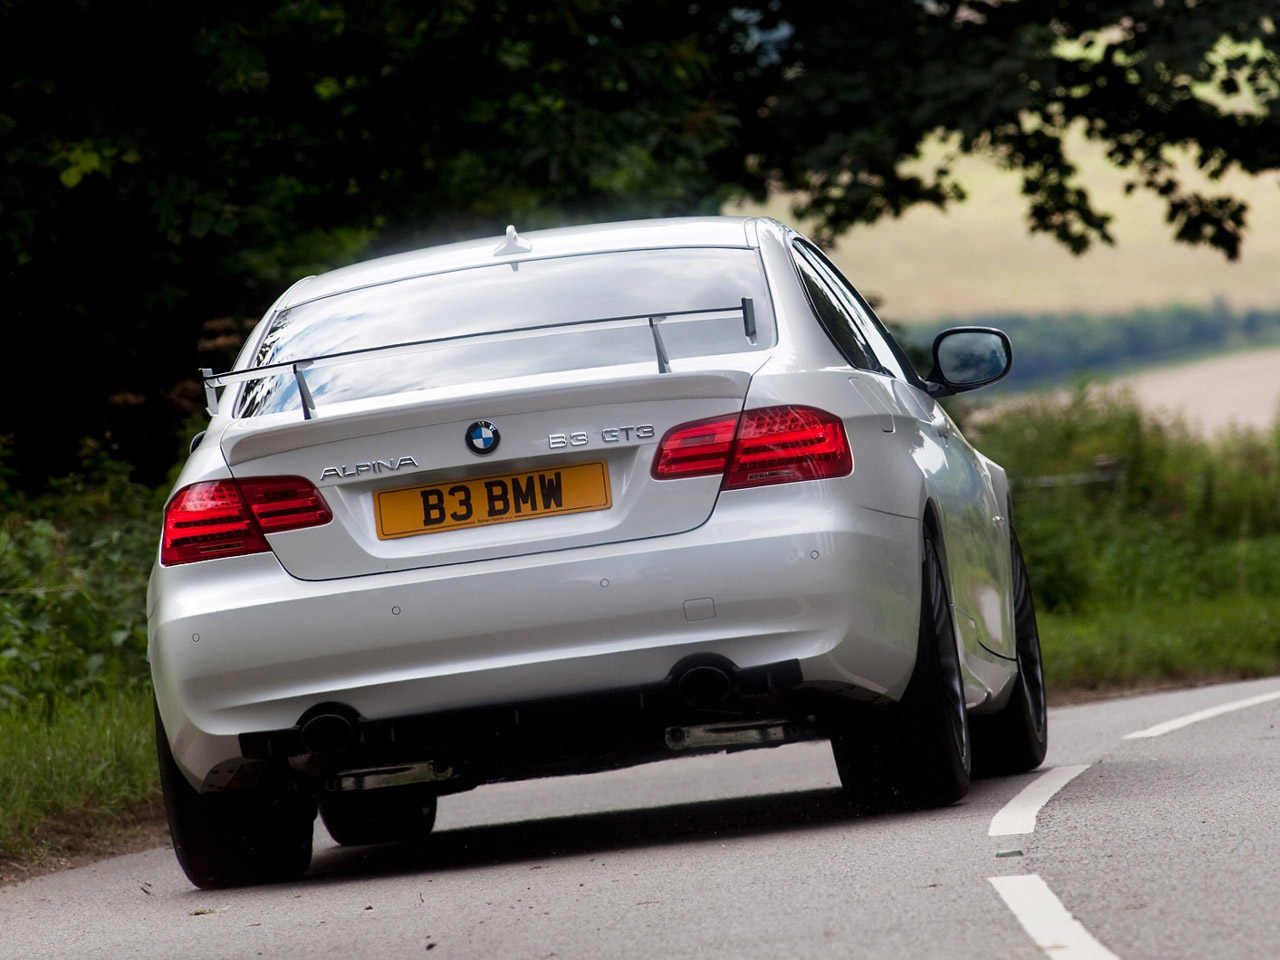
[987, 677]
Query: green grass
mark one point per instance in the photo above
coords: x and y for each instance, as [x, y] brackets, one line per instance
[1216, 638]
[1165, 567]
[92, 762]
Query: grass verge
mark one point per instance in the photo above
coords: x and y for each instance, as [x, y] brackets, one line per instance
[85, 771]
[1230, 637]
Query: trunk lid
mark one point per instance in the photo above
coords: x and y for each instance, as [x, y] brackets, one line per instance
[568, 461]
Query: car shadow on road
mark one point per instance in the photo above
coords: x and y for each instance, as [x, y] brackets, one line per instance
[528, 840]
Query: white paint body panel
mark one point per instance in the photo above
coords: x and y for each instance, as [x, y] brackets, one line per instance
[547, 625]
[823, 572]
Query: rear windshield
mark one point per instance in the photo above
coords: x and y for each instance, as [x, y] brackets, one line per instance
[496, 305]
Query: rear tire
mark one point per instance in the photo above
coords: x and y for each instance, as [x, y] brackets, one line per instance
[233, 838]
[386, 815]
[915, 753]
[1015, 739]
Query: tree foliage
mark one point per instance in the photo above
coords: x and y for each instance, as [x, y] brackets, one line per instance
[857, 87]
[168, 164]
[166, 169]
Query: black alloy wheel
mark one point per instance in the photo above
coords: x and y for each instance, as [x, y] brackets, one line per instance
[917, 752]
[234, 838]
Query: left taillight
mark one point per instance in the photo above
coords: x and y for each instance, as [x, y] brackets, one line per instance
[228, 518]
[695, 449]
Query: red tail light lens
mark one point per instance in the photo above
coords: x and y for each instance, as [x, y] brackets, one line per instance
[285, 503]
[227, 518]
[786, 444]
[695, 449]
[761, 447]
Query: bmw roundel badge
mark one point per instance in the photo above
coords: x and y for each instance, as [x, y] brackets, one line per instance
[483, 438]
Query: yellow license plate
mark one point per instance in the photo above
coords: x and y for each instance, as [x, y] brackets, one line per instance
[455, 504]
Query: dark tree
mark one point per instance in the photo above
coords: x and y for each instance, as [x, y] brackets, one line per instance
[167, 168]
[169, 164]
[853, 89]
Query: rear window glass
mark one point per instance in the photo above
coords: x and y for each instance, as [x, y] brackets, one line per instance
[583, 303]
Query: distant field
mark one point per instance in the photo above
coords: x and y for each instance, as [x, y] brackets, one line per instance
[1212, 395]
[979, 256]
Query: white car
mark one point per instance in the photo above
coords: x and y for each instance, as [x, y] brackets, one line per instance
[570, 501]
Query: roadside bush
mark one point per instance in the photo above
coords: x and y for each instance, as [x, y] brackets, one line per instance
[73, 570]
[1116, 508]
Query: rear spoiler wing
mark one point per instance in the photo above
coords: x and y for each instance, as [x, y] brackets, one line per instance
[299, 368]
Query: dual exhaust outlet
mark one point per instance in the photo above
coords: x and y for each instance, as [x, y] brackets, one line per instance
[705, 682]
[330, 729]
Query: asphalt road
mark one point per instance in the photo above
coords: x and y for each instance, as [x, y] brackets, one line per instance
[1160, 846]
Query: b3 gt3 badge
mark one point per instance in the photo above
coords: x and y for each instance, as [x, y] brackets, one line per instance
[580, 438]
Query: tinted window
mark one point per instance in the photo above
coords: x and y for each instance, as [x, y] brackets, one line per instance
[889, 356]
[498, 307]
[833, 313]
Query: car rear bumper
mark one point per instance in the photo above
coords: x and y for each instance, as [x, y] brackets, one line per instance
[239, 646]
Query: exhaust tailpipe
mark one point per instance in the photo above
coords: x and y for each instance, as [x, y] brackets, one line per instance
[327, 733]
[704, 686]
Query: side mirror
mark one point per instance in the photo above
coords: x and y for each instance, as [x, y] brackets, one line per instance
[965, 358]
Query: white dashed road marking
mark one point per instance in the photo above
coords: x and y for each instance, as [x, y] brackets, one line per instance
[1053, 928]
[1163, 728]
[1019, 814]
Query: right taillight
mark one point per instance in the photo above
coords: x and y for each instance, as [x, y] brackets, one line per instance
[228, 518]
[761, 447]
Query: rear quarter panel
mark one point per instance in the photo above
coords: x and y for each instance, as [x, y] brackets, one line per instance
[907, 454]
